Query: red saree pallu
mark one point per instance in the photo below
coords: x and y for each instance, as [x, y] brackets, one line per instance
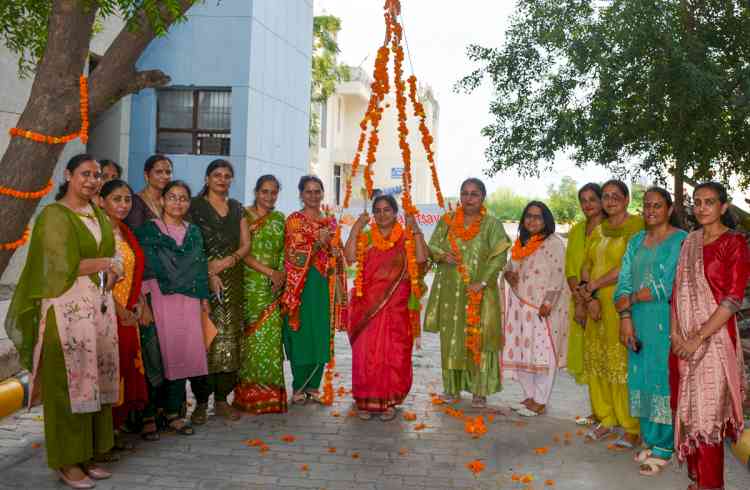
[133, 389]
[380, 332]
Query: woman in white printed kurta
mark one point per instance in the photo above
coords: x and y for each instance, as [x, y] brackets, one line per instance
[536, 325]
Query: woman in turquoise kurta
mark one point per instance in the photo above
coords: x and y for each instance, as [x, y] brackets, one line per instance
[60, 302]
[644, 289]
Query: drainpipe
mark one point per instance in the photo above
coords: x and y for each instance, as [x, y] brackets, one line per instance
[14, 394]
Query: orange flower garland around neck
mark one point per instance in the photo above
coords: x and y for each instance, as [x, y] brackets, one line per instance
[520, 252]
[458, 228]
[473, 334]
[378, 241]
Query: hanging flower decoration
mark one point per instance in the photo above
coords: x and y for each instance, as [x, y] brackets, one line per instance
[362, 244]
[427, 138]
[31, 195]
[18, 243]
[83, 133]
[383, 244]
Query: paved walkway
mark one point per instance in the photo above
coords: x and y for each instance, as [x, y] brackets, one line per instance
[333, 450]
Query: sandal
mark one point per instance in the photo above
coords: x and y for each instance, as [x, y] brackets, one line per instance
[200, 414]
[597, 433]
[314, 396]
[448, 398]
[527, 412]
[652, 466]
[479, 401]
[388, 415]
[149, 431]
[586, 421]
[364, 415]
[182, 428]
[625, 444]
[642, 455]
[299, 398]
[520, 406]
[223, 409]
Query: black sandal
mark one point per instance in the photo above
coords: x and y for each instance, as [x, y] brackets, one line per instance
[186, 429]
[150, 432]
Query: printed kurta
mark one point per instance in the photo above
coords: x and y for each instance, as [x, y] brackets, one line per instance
[534, 344]
[484, 257]
[261, 387]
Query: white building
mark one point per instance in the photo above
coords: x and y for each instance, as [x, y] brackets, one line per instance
[339, 119]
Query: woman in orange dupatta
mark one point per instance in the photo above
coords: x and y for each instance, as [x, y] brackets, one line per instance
[707, 381]
[380, 330]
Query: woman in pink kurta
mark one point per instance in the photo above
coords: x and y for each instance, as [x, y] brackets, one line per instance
[177, 269]
[536, 325]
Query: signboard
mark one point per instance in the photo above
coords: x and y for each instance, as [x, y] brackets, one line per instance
[428, 217]
[397, 172]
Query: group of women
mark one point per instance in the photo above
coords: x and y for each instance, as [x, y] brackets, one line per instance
[125, 297]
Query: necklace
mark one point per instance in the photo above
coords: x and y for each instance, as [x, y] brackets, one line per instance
[153, 206]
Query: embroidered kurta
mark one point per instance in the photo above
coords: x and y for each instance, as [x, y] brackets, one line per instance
[484, 257]
[604, 355]
[648, 370]
[529, 339]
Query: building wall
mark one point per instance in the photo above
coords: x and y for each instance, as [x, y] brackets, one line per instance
[261, 49]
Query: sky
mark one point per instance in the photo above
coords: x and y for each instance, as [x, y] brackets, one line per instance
[437, 33]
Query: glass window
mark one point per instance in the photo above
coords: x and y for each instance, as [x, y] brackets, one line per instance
[195, 122]
[337, 183]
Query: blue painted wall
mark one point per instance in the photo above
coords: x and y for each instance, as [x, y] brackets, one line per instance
[262, 50]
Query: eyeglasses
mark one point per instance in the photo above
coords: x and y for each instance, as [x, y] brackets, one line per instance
[173, 198]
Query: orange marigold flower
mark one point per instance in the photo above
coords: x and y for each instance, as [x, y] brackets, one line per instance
[527, 478]
[35, 445]
[541, 450]
[254, 442]
[335, 414]
[410, 416]
[475, 466]
[355, 455]
[515, 477]
[332, 450]
[305, 467]
[420, 426]
[549, 483]
[403, 451]
[288, 438]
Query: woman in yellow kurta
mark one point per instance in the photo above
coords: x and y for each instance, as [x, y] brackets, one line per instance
[590, 199]
[605, 359]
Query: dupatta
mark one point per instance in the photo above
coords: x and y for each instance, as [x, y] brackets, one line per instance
[140, 264]
[702, 413]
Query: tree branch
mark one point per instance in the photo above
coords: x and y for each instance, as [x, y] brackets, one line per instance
[107, 82]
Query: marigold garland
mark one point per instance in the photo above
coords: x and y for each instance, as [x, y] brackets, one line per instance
[415, 307]
[382, 243]
[520, 251]
[31, 195]
[362, 243]
[473, 334]
[18, 243]
[457, 224]
[427, 138]
[83, 133]
[328, 393]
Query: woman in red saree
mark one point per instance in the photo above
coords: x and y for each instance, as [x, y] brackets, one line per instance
[116, 198]
[707, 381]
[380, 330]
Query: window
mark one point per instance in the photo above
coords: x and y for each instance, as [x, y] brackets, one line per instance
[337, 183]
[324, 124]
[194, 122]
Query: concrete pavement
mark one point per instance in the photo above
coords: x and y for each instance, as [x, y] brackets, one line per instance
[332, 450]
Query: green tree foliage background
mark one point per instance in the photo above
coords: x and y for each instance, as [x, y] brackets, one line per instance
[326, 71]
[654, 87]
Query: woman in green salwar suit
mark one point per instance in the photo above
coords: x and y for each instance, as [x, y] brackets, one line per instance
[484, 255]
[60, 315]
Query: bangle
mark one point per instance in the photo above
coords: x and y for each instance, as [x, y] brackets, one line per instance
[625, 314]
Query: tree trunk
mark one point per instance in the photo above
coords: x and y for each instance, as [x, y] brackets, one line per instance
[53, 106]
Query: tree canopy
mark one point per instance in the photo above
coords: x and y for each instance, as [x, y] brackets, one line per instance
[653, 87]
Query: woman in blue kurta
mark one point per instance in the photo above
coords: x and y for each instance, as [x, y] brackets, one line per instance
[642, 299]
